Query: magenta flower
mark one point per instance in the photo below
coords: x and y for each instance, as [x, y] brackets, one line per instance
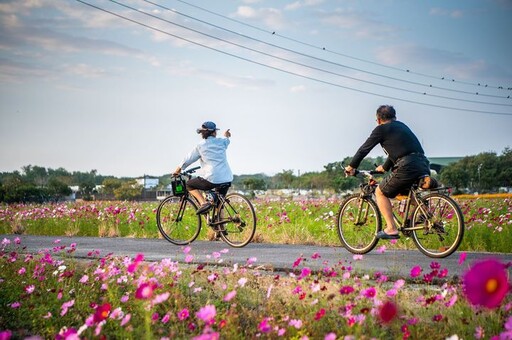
[387, 311]
[486, 283]
[416, 271]
[207, 314]
[102, 312]
[183, 314]
[369, 293]
[345, 290]
[133, 266]
[145, 290]
[462, 258]
[264, 326]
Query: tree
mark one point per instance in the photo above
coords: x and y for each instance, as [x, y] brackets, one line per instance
[129, 191]
[254, 183]
[110, 185]
[58, 189]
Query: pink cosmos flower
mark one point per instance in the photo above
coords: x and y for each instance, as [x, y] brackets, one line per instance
[183, 314]
[251, 260]
[462, 258]
[145, 290]
[369, 293]
[416, 271]
[186, 250]
[297, 323]
[479, 332]
[297, 262]
[30, 289]
[229, 296]
[102, 312]
[305, 272]
[189, 258]
[207, 314]
[136, 261]
[15, 305]
[5, 335]
[345, 290]
[486, 283]
[330, 336]
[161, 298]
[22, 271]
[264, 326]
[65, 306]
[84, 279]
[126, 319]
[356, 258]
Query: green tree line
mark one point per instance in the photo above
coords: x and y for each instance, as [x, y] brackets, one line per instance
[485, 172]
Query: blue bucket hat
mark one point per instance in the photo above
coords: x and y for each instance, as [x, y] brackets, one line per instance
[207, 126]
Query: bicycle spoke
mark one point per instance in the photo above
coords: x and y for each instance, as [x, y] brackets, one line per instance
[239, 219]
[177, 220]
[443, 226]
[358, 221]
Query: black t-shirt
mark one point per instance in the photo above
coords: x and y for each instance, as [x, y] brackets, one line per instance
[396, 139]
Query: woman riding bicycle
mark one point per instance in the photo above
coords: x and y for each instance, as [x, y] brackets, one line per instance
[211, 152]
[406, 159]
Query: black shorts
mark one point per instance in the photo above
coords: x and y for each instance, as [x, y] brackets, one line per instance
[199, 183]
[408, 170]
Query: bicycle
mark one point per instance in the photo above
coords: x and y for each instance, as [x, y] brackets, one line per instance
[232, 217]
[430, 217]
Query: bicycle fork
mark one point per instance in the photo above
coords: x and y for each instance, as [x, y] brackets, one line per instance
[359, 220]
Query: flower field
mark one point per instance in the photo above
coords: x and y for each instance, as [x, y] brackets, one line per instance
[488, 221]
[52, 295]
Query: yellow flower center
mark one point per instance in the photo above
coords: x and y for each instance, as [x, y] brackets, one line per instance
[491, 286]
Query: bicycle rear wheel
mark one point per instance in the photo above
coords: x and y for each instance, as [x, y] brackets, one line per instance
[240, 218]
[358, 222]
[177, 220]
[443, 225]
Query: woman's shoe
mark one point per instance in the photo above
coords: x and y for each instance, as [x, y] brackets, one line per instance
[383, 236]
[204, 208]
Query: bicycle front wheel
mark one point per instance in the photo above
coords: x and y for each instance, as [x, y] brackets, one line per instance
[443, 225]
[358, 222]
[177, 220]
[240, 218]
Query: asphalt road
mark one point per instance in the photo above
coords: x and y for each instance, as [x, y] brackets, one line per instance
[273, 257]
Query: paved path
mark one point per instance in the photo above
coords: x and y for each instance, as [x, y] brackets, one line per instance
[278, 257]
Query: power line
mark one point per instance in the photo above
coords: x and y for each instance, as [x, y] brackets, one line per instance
[328, 61]
[274, 33]
[283, 70]
[301, 64]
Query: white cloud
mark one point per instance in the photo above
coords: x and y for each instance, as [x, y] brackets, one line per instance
[361, 23]
[297, 89]
[302, 3]
[271, 17]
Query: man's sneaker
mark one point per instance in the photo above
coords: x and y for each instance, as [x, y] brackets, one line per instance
[204, 208]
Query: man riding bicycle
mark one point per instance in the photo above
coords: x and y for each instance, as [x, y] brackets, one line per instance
[406, 160]
[211, 153]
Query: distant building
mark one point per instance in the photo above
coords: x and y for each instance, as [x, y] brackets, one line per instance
[148, 182]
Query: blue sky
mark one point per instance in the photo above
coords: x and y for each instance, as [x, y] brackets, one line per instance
[297, 82]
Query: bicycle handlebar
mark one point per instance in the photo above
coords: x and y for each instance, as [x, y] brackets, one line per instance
[191, 171]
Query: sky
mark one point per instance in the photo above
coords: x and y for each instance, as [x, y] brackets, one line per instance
[121, 87]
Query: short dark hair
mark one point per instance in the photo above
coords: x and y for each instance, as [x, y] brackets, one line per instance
[386, 112]
[207, 133]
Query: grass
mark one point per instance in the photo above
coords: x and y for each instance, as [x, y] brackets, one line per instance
[488, 221]
[51, 295]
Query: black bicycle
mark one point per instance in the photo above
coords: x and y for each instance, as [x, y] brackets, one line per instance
[430, 217]
[232, 217]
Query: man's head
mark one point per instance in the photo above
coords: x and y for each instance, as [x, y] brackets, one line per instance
[386, 113]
